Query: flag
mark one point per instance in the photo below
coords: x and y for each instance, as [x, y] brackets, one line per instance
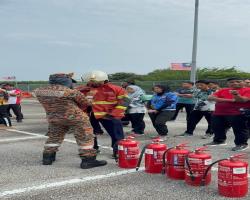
[9, 78]
[181, 66]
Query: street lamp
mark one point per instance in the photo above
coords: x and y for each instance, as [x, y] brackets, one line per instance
[195, 35]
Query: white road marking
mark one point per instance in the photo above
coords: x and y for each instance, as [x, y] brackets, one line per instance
[66, 182]
[71, 182]
[25, 132]
[19, 139]
[43, 136]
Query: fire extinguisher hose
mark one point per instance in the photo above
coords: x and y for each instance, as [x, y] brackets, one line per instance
[203, 180]
[189, 168]
[164, 161]
[140, 158]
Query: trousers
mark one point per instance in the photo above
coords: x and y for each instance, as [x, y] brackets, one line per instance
[221, 124]
[83, 134]
[4, 116]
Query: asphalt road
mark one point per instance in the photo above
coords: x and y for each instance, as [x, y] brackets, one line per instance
[22, 176]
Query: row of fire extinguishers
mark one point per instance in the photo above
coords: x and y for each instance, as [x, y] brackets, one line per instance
[180, 163]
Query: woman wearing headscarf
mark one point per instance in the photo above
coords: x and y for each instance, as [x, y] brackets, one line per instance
[136, 109]
[162, 108]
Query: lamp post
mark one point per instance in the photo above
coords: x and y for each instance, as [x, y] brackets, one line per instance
[195, 35]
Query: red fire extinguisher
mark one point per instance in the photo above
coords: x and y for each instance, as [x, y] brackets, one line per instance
[153, 156]
[174, 166]
[232, 176]
[128, 152]
[197, 163]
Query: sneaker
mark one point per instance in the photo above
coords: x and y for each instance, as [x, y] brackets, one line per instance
[135, 135]
[164, 137]
[206, 136]
[184, 134]
[241, 147]
[215, 144]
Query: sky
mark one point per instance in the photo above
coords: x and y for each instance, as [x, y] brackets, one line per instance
[41, 37]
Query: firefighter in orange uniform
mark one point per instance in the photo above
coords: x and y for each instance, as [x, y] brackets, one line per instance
[108, 106]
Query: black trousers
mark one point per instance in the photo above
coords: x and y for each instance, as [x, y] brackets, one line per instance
[95, 123]
[138, 125]
[221, 123]
[125, 120]
[159, 121]
[115, 130]
[4, 115]
[194, 119]
[16, 108]
[188, 107]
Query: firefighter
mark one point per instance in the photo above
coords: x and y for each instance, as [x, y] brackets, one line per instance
[63, 107]
[109, 104]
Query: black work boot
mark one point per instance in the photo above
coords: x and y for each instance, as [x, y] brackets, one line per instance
[92, 162]
[48, 158]
[54, 156]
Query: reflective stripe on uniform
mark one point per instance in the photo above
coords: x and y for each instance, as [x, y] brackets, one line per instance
[86, 147]
[51, 145]
[100, 113]
[121, 96]
[104, 102]
[121, 107]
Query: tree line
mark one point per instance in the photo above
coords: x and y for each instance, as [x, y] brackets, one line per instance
[167, 74]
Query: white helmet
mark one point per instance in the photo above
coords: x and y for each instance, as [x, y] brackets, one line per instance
[95, 75]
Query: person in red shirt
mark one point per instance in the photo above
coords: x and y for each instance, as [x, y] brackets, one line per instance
[227, 114]
[14, 101]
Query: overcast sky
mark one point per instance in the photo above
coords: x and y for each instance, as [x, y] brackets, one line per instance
[40, 37]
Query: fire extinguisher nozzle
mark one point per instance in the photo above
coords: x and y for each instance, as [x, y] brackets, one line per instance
[163, 171]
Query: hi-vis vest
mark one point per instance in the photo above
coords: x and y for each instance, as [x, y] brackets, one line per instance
[111, 100]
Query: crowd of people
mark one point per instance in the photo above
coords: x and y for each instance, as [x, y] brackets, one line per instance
[87, 109]
[10, 99]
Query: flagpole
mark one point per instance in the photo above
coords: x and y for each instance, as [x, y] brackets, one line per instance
[195, 35]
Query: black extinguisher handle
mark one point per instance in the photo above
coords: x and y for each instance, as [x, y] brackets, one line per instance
[140, 158]
[203, 180]
[163, 171]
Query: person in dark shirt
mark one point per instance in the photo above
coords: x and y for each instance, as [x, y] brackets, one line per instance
[202, 108]
[185, 100]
